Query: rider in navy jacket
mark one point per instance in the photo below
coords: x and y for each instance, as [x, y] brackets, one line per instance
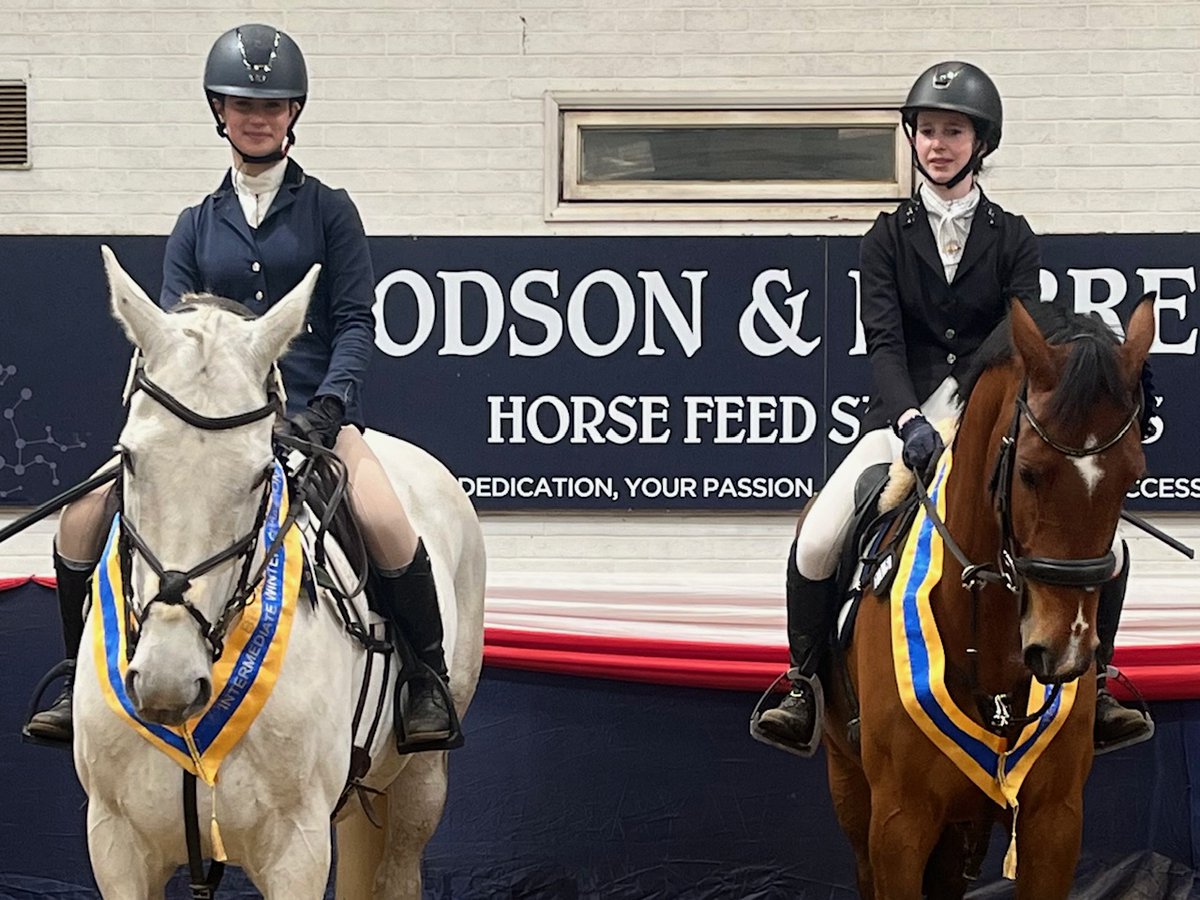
[214, 250]
[253, 240]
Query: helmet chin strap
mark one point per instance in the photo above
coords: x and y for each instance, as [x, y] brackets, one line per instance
[273, 156]
[953, 181]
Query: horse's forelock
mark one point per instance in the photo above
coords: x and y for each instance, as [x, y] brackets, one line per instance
[192, 302]
[206, 320]
[1093, 371]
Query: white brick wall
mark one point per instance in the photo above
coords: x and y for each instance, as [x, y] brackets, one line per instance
[430, 112]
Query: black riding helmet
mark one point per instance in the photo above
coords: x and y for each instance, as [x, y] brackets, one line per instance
[256, 61]
[963, 88]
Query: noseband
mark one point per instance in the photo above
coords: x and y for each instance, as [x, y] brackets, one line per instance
[174, 583]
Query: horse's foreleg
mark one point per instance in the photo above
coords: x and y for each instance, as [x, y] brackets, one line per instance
[852, 803]
[293, 860]
[126, 867]
[903, 833]
[415, 802]
[1048, 842]
[360, 848]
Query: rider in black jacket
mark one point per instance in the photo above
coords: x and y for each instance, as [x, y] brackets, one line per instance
[937, 276]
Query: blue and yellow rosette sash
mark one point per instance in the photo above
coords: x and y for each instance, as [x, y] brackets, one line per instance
[243, 677]
[920, 663]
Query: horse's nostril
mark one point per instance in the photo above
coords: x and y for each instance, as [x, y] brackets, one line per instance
[203, 691]
[130, 687]
[1037, 660]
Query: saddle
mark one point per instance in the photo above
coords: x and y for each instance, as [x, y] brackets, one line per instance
[873, 545]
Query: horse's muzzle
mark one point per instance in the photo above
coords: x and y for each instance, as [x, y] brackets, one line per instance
[1045, 665]
[162, 709]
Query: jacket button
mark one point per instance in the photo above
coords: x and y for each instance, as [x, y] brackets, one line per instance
[949, 334]
[255, 266]
[950, 358]
[258, 295]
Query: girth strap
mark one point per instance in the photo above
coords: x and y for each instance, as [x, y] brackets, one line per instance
[204, 887]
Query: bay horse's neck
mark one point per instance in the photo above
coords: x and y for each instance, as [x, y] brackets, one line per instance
[972, 521]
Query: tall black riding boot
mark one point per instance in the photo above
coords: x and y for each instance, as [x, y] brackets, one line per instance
[794, 724]
[1116, 726]
[425, 717]
[74, 580]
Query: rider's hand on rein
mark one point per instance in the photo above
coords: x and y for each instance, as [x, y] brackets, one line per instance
[922, 443]
[319, 423]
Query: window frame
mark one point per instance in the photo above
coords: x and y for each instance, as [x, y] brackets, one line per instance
[567, 200]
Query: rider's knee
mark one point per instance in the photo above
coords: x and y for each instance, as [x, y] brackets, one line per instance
[82, 523]
[814, 556]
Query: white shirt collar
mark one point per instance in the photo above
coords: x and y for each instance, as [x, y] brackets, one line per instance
[256, 193]
[951, 223]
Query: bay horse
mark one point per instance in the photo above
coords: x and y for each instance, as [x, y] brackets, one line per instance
[199, 476]
[1030, 493]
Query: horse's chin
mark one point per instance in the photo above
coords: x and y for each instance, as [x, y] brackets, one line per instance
[169, 717]
[1061, 676]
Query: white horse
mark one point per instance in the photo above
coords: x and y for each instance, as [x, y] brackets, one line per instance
[192, 493]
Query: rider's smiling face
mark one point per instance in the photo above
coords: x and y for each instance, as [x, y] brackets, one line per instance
[257, 125]
[944, 141]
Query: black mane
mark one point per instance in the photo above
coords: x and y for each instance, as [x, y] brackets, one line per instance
[1092, 371]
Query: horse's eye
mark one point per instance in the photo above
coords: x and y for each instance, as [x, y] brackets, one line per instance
[1029, 476]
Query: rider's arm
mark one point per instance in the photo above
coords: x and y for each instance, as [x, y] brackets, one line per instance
[883, 323]
[350, 282]
[1023, 278]
[181, 275]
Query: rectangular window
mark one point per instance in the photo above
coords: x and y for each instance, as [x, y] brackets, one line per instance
[698, 163]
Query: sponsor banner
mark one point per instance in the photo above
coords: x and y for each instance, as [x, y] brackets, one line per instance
[583, 373]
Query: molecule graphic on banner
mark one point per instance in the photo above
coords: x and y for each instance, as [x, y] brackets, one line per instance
[26, 456]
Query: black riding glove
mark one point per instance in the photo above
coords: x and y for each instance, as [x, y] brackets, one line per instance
[922, 443]
[1148, 401]
[319, 422]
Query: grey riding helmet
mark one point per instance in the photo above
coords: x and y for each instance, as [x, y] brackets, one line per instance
[256, 61]
[963, 88]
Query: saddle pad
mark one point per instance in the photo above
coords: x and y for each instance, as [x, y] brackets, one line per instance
[243, 677]
[920, 664]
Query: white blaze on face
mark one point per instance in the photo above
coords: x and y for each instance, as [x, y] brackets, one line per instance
[1089, 466]
[1079, 626]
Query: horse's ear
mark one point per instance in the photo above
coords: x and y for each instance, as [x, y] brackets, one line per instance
[1139, 335]
[1031, 346]
[283, 321]
[138, 314]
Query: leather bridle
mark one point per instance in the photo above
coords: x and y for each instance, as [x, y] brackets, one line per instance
[173, 584]
[1012, 570]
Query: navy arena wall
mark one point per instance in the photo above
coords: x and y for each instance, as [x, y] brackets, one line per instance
[586, 373]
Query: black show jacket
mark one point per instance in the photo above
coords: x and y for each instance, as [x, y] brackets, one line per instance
[919, 328]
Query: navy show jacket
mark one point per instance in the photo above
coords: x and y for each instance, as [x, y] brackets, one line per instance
[214, 250]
